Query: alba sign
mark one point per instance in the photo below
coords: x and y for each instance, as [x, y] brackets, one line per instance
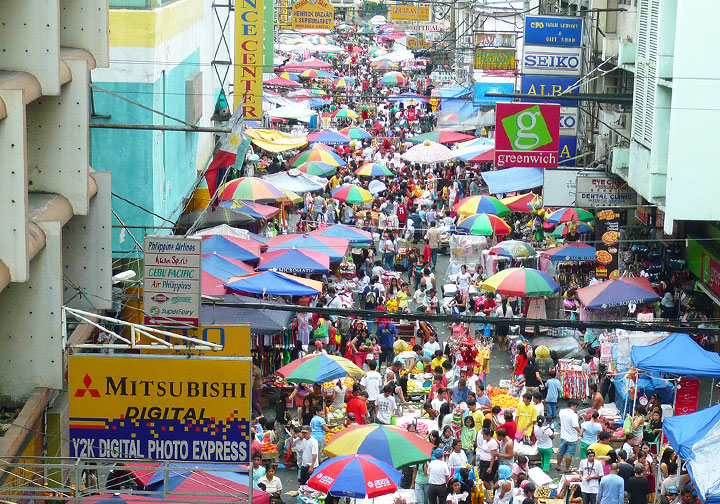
[527, 135]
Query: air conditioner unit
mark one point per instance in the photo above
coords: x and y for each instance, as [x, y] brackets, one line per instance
[602, 146]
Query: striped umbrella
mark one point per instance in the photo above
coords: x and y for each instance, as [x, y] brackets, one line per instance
[250, 189]
[319, 40]
[352, 194]
[343, 82]
[319, 368]
[323, 155]
[563, 229]
[390, 444]
[373, 170]
[483, 224]
[289, 76]
[384, 65]
[521, 282]
[318, 168]
[312, 73]
[346, 113]
[570, 215]
[356, 133]
[481, 204]
[356, 477]
[521, 202]
[513, 248]
[393, 79]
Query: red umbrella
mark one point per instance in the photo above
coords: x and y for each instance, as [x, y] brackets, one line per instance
[483, 157]
[279, 81]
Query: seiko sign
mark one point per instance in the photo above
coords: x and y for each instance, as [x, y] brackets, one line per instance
[547, 60]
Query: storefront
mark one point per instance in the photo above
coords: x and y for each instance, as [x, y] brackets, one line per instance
[703, 260]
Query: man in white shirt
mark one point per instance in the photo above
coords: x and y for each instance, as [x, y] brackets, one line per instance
[591, 471]
[385, 404]
[431, 345]
[457, 458]
[310, 451]
[440, 398]
[438, 477]
[368, 153]
[569, 433]
[371, 381]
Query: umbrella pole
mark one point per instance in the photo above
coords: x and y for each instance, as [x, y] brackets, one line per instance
[250, 482]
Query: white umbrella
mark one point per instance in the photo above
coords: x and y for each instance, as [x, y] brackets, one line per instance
[296, 181]
[428, 152]
[376, 186]
[378, 20]
[299, 111]
[396, 56]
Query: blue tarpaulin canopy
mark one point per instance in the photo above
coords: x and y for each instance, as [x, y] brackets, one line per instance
[571, 252]
[696, 438]
[271, 283]
[224, 268]
[513, 179]
[665, 356]
[357, 237]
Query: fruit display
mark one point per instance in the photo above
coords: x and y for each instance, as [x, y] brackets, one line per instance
[416, 387]
[347, 381]
[501, 397]
[268, 448]
[333, 430]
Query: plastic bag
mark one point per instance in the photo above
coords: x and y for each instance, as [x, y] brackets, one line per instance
[627, 425]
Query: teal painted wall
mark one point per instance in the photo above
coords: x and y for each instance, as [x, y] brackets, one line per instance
[154, 169]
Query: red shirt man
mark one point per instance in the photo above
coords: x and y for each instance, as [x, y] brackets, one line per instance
[402, 213]
[357, 406]
[427, 253]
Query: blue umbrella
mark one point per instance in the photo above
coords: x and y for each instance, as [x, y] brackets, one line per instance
[329, 137]
[295, 261]
[356, 237]
[227, 246]
[310, 242]
[224, 268]
[571, 252]
[242, 207]
[272, 283]
[617, 292]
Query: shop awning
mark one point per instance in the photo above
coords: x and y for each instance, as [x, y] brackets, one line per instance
[513, 179]
[663, 356]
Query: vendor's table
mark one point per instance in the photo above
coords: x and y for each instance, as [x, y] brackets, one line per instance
[404, 493]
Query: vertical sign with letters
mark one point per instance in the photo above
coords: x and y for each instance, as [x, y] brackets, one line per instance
[249, 20]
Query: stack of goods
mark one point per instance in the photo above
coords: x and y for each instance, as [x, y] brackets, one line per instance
[307, 495]
[417, 387]
[501, 397]
[574, 380]
[333, 430]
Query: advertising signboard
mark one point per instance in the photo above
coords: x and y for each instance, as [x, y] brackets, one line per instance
[687, 396]
[193, 409]
[603, 191]
[567, 150]
[171, 286]
[482, 88]
[249, 17]
[234, 338]
[607, 236]
[568, 121]
[495, 59]
[400, 12]
[545, 85]
[546, 60]
[710, 272]
[495, 39]
[553, 30]
[559, 186]
[417, 42]
[313, 15]
[527, 135]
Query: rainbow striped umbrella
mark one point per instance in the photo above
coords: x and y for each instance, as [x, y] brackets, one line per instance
[393, 79]
[319, 154]
[356, 133]
[481, 204]
[513, 248]
[318, 168]
[289, 76]
[483, 224]
[384, 65]
[570, 215]
[373, 170]
[343, 82]
[520, 203]
[521, 282]
[250, 189]
[392, 445]
[312, 73]
[562, 229]
[356, 477]
[352, 194]
[346, 113]
[319, 368]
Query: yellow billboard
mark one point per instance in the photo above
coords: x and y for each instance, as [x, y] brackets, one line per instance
[193, 409]
[418, 42]
[313, 15]
[495, 59]
[234, 338]
[249, 57]
[409, 13]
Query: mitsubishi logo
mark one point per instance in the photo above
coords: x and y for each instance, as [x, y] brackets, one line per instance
[92, 391]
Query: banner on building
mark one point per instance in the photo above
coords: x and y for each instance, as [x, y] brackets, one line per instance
[553, 30]
[495, 59]
[414, 12]
[495, 39]
[193, 409]
[603, 191]
[567, 151]
[171, 287]
[607, 236]
[234, 338]
[483, 88]
[710, 272]
[568, 121]
[546, 85]
[249, 21]
[313, 15]
[417, 42]
[547, 60]
[527, 135]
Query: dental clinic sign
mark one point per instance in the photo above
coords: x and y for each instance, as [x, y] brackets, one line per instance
[527, 135]
[171, 286]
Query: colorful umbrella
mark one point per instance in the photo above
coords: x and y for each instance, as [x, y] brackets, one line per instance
[356, 477]
[319, 368]
[571, 252]
[473, 155]
[281, 82]
[211, 217]
[250, 189]
[520, 203]
[570, 215]
[374, 52]
[352, 194]
[274, 283]
[256, 210]
[336, 248]
[563, 229]
[443, 137]
[373, 170]
[295, 261]
[384, 65]
[345, 113]
[329, 137]
[393, 79]
[319, 39]
[392, 445]
[345, 81]
[229, 246]
[483, 224]
[289, 76]
[513, 248]
[322, 155]
[356, 133]
[318, 168]
[312, 73]
[291, 197]
[483, 203]
[617, 292]
[521, 282]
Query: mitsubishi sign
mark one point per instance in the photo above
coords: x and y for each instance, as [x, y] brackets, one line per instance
[527, 134]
